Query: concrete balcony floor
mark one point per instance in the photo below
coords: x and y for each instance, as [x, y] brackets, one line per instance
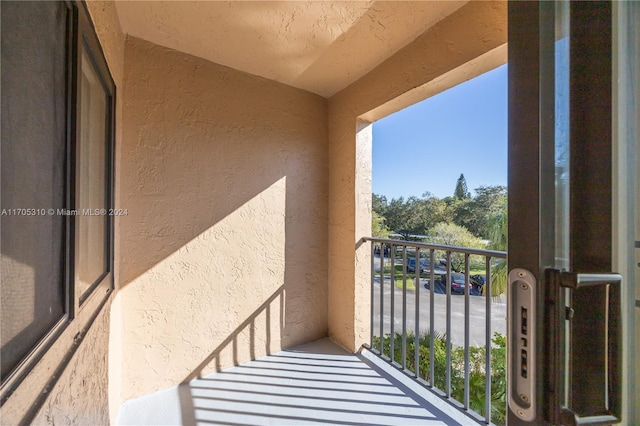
[315, 383]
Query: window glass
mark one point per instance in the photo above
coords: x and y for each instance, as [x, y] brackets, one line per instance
[55, 184]
[91, 180]
[562, 134]
[32, 160]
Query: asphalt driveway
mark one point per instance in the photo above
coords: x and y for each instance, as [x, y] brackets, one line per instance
[477, 313]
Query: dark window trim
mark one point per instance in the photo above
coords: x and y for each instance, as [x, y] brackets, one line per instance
[72, 91]
[87, 41]
[80, 28]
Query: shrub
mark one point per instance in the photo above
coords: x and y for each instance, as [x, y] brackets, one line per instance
[477, 374]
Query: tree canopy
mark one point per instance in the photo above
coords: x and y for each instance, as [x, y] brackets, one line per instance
[469, 221]
[418, 215]
[378, 227]
[450, 234]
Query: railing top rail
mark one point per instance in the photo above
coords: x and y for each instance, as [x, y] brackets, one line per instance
[491, 253]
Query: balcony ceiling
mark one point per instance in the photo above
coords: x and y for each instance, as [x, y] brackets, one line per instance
[319, 46]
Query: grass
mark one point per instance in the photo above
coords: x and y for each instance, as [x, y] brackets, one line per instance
[410, 284]
[477, 271]
[398, 277]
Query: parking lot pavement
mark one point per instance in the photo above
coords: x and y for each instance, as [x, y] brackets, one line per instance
[376, 262]
[477, 313]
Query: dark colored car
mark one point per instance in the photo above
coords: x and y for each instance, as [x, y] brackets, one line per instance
[424, 265]
[477, 281]
[457, 284]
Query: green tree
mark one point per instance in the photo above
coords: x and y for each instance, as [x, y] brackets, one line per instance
[465, 214]
[379, 204]
[489, 203]
[450, 234]
[498, 230]
[461, 191]
[498, 236]
[396, 214]
[483, 216]
[378, 227]
[412, 215]
[418, 215]
[432, 211]
[477, 214]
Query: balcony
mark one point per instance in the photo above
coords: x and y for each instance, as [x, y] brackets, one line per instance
[322, 383]
[314, 383]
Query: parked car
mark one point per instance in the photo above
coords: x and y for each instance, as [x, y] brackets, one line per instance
[457, 284]
[424, 265]
[477, 281]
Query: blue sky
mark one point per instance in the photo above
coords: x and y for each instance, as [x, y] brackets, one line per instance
[426, 146]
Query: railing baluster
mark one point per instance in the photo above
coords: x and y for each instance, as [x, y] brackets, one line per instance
[487, 367]
[416, 329]
[373, 308]
[404, 309]
[448, 328]
[392, 339]
[382, 299]
[466, 331]
[432, 330]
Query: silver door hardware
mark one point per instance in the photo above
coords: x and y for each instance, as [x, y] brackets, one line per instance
[573, 330]
[521, 342]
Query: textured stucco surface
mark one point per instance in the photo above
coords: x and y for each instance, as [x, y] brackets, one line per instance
[80, 395]
[319, 46]
[224, 176]
[454, 43]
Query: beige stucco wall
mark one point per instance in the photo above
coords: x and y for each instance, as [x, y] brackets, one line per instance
[442, 57]
[80, 397]
[224, 176]
[80, 394]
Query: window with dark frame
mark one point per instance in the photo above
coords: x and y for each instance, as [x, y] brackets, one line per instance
[92, 175]
[56, 168]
